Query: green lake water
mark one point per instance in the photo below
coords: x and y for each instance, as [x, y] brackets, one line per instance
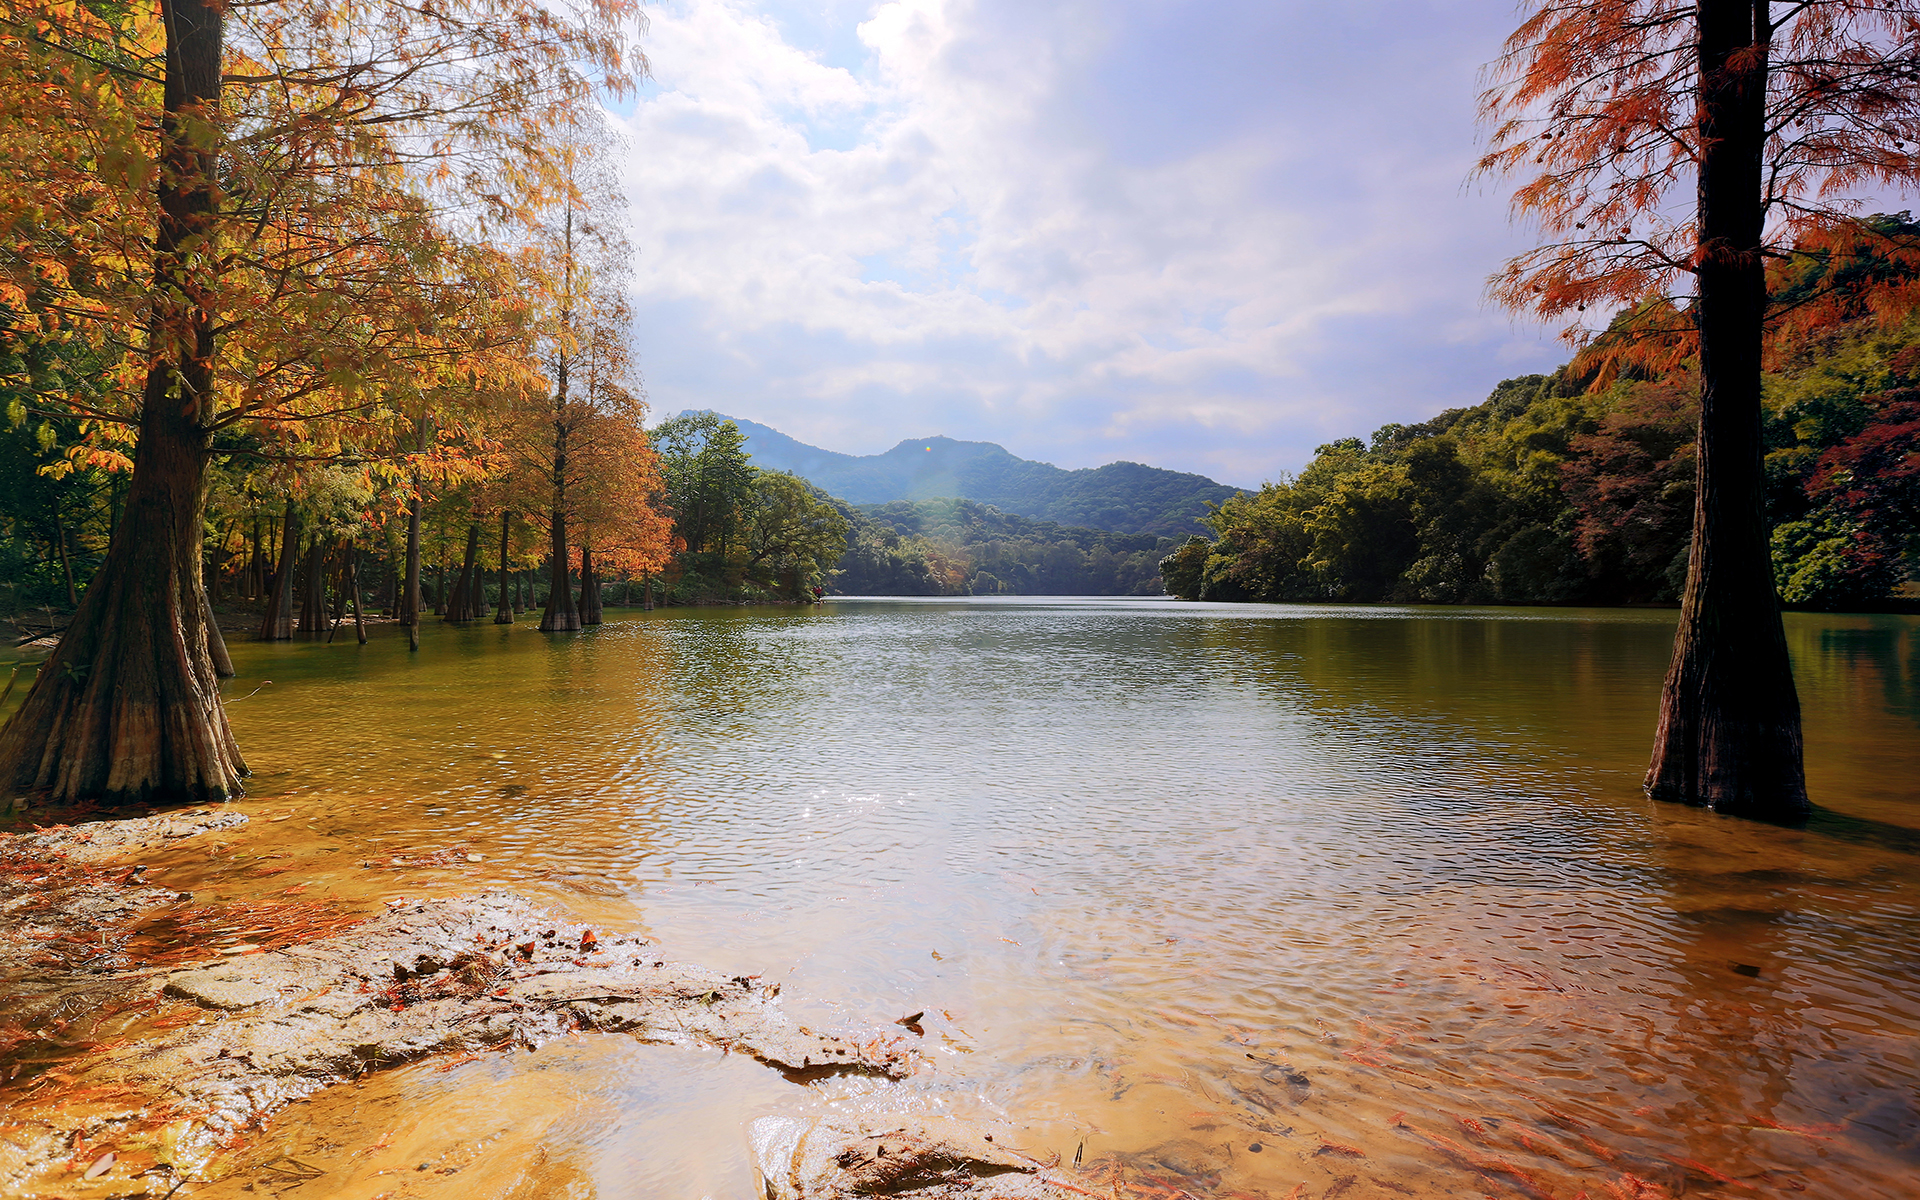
[1241, 898]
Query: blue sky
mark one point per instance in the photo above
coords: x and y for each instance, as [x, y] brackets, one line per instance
[1207, 236]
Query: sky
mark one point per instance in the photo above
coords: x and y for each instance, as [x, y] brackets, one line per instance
[1207, 235]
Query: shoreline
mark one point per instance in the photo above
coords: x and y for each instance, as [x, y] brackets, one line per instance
[201, 1045]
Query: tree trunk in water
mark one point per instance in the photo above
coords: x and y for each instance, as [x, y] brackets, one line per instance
[313, 590]
[278, 623]
[410, 601]
[460, 600]
[127, 707]
[561, 615]
[1729, 733]
[353, 581]
[504, 614]
[589, 589]
[646, 593]
[216, 644]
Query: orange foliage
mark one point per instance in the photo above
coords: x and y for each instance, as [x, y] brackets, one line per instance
[370, 156]
[1594, 106]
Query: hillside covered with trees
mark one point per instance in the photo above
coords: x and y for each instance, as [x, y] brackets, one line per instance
[960, 547]
[1578, 488]
[1121, 497]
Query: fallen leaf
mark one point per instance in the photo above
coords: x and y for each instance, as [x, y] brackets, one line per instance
[100, 1166]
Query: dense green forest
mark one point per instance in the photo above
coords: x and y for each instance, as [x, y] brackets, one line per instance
[1559, 491]
[1122, 497]
[953, 547]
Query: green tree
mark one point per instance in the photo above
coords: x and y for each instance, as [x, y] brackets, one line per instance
[794, 534]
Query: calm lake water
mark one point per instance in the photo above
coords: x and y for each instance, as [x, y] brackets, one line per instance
[1254, 901]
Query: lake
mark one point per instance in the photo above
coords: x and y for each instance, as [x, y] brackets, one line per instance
[1239, 900]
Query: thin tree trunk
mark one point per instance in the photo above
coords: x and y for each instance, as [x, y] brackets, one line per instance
[277, 625]
[339, 564]
[216, 644]
[1729, 732]
[353, 575]
[221, 556]
[127, 707]
[410, 601]
[503, 615]
[252, 576]
[66, 565]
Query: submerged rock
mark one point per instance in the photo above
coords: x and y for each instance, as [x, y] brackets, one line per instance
[99, 841]
[909, 1156]
[466, 975]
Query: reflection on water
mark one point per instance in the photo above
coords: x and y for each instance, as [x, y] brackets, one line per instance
[1248, 897]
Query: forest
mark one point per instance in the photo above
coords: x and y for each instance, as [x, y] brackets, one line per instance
[1578, 487]
[962, 547]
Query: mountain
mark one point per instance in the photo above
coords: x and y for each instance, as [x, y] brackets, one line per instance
[1123, 497]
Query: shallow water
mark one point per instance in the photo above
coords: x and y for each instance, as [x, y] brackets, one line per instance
[1246, 899]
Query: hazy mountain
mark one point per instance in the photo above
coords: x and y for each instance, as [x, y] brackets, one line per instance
[1123, 497]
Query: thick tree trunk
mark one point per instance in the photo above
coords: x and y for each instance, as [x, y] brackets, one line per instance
[460, 606]
[1729, 732]
[277, 625]
[589, 589]
[313, 590]
[561, 615]
[128, 707]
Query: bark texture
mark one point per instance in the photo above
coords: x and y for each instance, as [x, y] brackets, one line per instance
[1729, 732]
[504, 614]
[313, 588]
[127, 708]
[589, 589]
[460, 606]
[561, 616]
[277, 625]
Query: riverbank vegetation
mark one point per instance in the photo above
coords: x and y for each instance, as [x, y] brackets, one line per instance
[1578, 487]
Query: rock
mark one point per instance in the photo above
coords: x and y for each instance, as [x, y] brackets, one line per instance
[97, 841]
[901, 1155]
[423, 979]
[225, 987]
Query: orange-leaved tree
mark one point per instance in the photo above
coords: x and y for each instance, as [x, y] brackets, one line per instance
[1786, 121]
[272, 215]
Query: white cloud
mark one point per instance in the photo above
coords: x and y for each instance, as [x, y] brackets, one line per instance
[1064, 228]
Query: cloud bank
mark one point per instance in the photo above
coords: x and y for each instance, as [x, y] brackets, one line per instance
[1207, 236]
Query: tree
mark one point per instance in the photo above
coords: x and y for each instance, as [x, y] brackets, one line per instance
[1612, 105]
[709, 480]
[794, 534]
[271, 218]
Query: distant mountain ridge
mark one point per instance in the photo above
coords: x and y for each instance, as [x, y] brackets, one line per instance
[1122, 497]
